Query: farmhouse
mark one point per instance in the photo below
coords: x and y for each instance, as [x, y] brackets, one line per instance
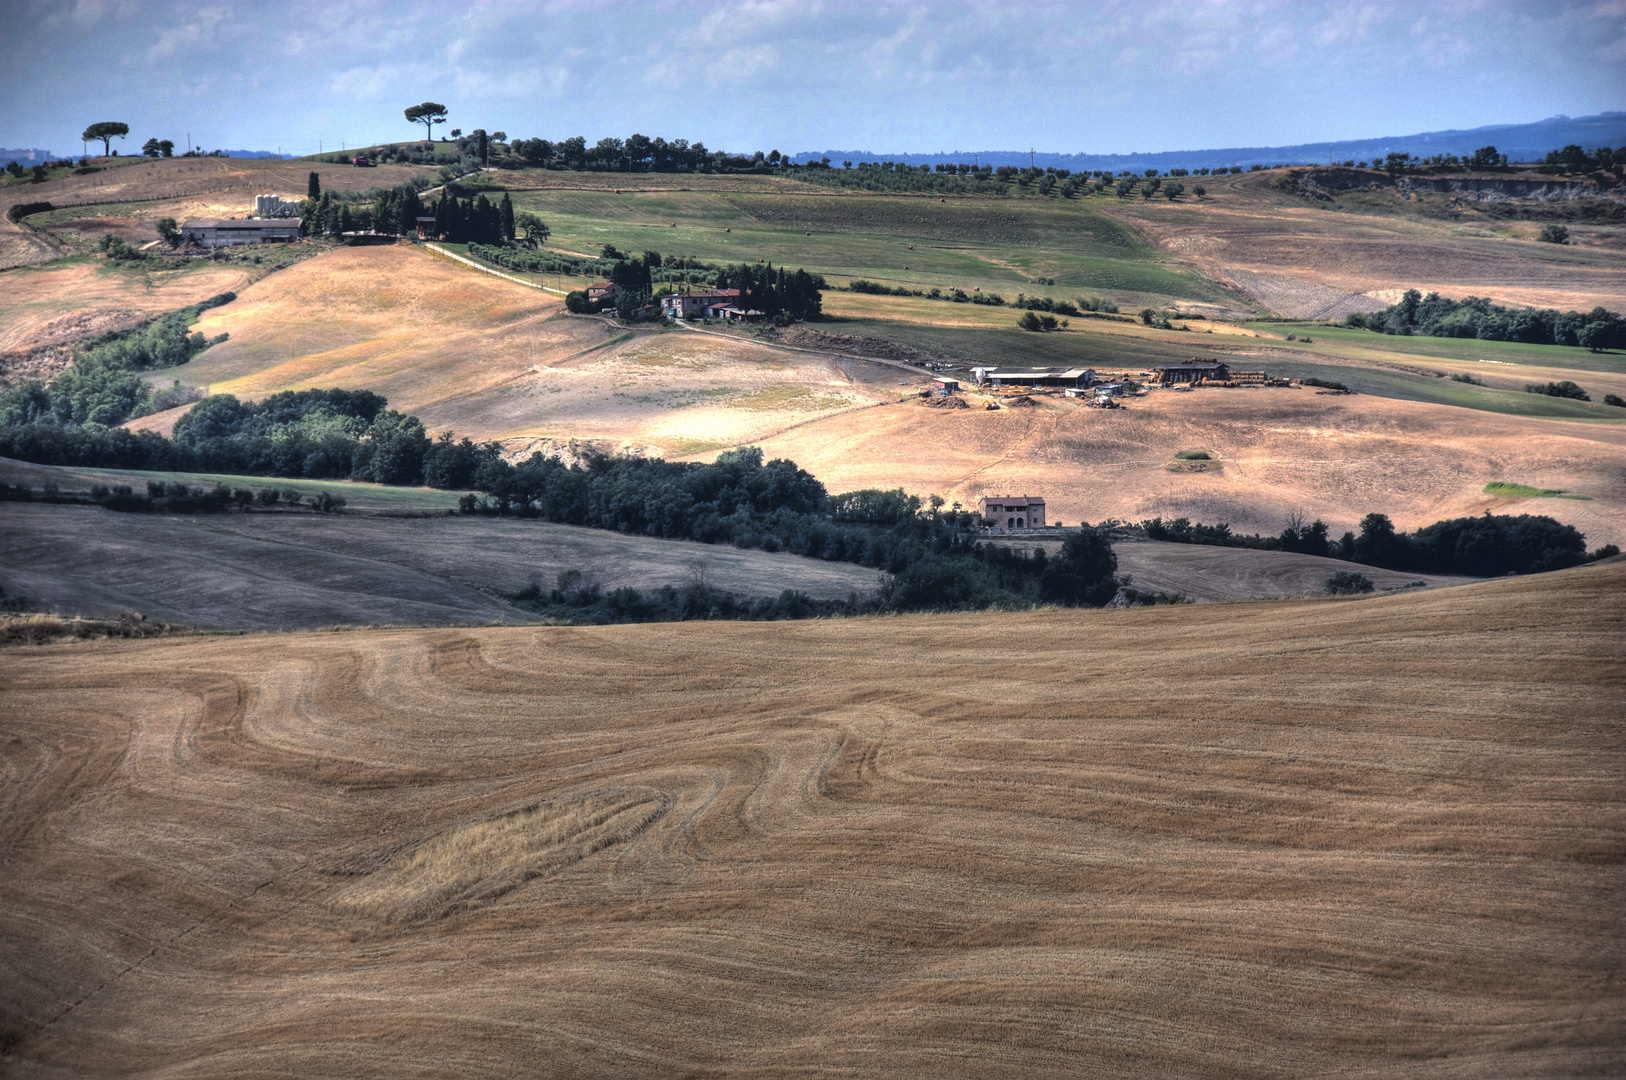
[1012, 511]
[233, 232]
[603, 290]
[984, 376]
[1193, 372]
[696, 305]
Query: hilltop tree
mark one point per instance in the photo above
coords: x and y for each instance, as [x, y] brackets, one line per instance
[428, 114]
[106, 131]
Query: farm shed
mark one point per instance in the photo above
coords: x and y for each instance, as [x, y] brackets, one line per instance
[945, 385]
[984, 376]
[1012, 511]
[234, 232]
[1193, 372]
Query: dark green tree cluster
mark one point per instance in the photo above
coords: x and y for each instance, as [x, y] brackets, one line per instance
[475, 220]
[791, 294]
[103, 385]
[935, 558]
[953, 296]
[636, 153]
[1574, 159]
[1473, 317]
[1564, 389]
[1486, 546]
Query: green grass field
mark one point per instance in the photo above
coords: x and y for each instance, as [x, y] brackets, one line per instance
[1467, 349]
[357, 496]
[997, 244]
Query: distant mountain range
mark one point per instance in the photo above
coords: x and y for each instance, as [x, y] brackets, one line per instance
[1520, 142]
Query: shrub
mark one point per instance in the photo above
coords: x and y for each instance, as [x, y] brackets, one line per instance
[576, 303]
[118, 250]
[1325, 384]
[1192, 455]
[1614, 399]
[1565, 389]
[1554, 234]
[22, 210]
[1348, 583]
[1459, 377]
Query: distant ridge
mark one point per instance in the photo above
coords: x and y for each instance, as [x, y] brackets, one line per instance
[36, 157]
[27, 157]
[1520, 142]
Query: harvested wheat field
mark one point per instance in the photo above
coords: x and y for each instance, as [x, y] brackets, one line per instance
[1368, 838]
[1306, 259]
[1274, 452]
[488, 358]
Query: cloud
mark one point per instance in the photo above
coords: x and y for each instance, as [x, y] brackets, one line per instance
[891, 74]
[193, 35]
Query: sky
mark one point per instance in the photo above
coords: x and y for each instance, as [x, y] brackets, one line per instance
[798, 75]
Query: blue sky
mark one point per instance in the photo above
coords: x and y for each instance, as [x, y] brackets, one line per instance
[1065, 77]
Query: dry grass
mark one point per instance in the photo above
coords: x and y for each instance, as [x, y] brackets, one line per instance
[1338, 458]
[476, 863]
[177, 187]
[44, 629]
[1300, 260]
[473, 353]
[1377, 837]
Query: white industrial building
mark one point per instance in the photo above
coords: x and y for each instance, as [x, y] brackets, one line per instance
[274, 206]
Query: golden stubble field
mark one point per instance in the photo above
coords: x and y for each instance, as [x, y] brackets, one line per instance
[1300, 260]
[488, 358]
[1275, 451]
[73, 300]
[1371, 838]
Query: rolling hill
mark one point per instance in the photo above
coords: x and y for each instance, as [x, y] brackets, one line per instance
[1368, 838]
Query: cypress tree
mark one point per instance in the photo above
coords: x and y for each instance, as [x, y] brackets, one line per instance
[507, 211]
[313, 187]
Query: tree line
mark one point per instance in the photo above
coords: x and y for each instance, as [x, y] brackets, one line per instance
[1475, 317]
[1485, 546]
